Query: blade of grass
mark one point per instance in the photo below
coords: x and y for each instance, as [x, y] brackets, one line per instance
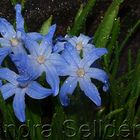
[45, 27]
[131, 31]
[81, 18]
[103, 32]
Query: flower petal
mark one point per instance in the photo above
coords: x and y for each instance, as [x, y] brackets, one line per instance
[70, 55]
[35, 36]
[19, 104]
[45, 48]
[6, 29]
[84, 39]
[52, 78]
[36, 91]
[98, 74]
[7, 90]
[19, 18]
[50, 34]
[93, 56]
[67, 88]
[57, 60]
[90, 90]
[31, 45]
[27, 69]
[8, 75]
[3, 53]
[58, 47]
[4, 42]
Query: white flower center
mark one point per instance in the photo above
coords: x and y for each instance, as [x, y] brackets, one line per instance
[14, 42]
[41, 59]
[79, 46]
[80, 72]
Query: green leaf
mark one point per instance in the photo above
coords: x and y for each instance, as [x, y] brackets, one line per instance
[103, 32]
[81, 17]
[131, 31]
[113, 38]
[45, 27]
[114, 112]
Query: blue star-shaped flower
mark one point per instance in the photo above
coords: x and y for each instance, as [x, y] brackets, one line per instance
[21, 84]
[81, 43]
[79, 70]
[11, 40]
[45, 59]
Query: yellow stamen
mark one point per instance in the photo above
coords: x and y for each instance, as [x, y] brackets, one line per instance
[14, 42]
[41, 59]
[80, 72]
[79, 46]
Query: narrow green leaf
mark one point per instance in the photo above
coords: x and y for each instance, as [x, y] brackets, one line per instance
[129, 60]
[45, 27]
[114, 112]
[113, 38]
[81, 18]
[131, 31]
[103, 32]
[79, 13]
[13, 2]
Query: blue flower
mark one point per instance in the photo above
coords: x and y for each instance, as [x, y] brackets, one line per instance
[45, 59]
[79, 71]
[11, 40]
[21, 84]
[81, 43]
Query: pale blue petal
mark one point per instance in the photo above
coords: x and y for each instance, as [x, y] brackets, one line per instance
[19, 104]
[87, 49]
[57, 60]
[58, 47]
[7, 90]
[19, 18]
[36, 91]
[45, 48]
[92, 56]
[72, 40]
[70, 55]
[98, 74]
[67, 89]
[31, 45]
[35, 36]
[6, 29]
[52, 78]
[3, 53]
[0, 83]
[90, 90]
[68, 70]
[4, 42]
[27, 68]
[50, 34]
[84, 39]
[8, 75]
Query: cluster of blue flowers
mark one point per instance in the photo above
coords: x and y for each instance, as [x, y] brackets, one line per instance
[34, 54]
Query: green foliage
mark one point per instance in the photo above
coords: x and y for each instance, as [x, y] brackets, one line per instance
[81, 17]
[45, 27]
